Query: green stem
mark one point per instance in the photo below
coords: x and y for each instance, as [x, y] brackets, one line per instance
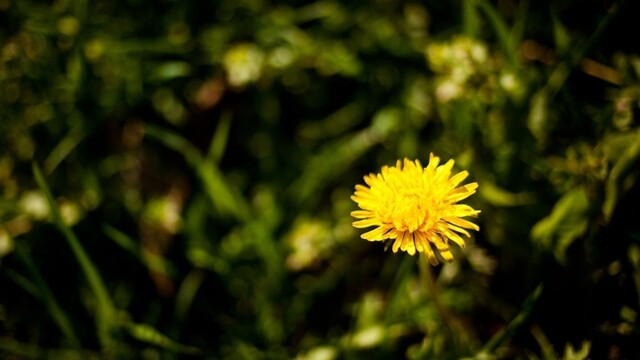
[453, 322]
[469, 18]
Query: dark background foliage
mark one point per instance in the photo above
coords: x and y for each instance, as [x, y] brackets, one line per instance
[175, 178]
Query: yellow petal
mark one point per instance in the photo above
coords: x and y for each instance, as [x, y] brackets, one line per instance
[431, 255]
[362, 188]
[362, 214]
[365, 204]
[447, 255]
[459, 229]
[455, 238]
[398, 243]
[376, 234]
[457, 178]
[359, 197]
[461, 222]
[371, 179]
[461, 192]
[421, 241]
[364, 194]
[411, 247]
[460, 210]
[393, 234]
[433, 162]
[366, 223]
[440, 243]
[435, 238]
[408, 244]
[443, 171]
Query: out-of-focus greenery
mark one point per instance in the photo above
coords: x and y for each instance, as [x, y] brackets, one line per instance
[175, 178]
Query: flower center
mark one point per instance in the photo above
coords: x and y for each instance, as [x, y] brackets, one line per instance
[409, 209]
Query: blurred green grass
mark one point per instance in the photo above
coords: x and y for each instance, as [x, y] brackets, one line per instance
[175, 178]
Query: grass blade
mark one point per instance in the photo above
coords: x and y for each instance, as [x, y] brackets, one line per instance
[187, 292]
[225, 198]
[174, 142]
[507, 332]
[561, 73]
[23, 351]
[151, 335]
[151, 261]
[501, 31]
[105, 309]
[220, 138]
[47, 297]
[66, 145]
[9, 346]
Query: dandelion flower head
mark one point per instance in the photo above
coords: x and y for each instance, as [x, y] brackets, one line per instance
[416, 208]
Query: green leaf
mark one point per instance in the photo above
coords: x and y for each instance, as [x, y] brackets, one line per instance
[568, 221]
[170, 70]
[623, 167]
[538, 120]
[581, 354]
[546, 348]
[497, 196]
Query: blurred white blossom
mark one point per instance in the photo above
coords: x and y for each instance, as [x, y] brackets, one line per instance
[243, 63]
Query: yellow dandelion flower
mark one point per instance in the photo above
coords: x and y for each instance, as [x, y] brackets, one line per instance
[415, 207]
